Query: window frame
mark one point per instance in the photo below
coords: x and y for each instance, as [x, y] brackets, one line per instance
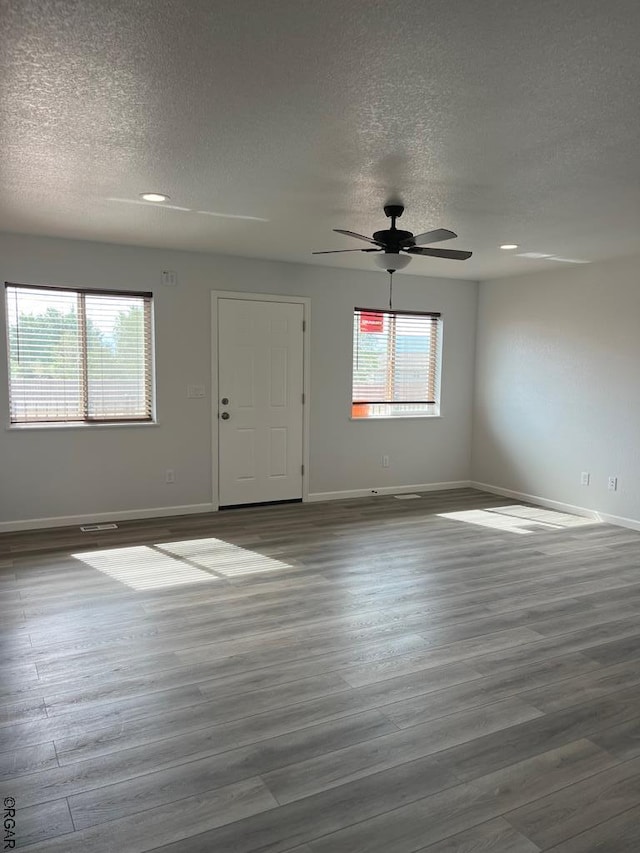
[88, 421]
[435, 370]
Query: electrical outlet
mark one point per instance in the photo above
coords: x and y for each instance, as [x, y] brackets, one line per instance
[612, 484]
[169, 476]
[385, 461]
[169, 278]
[585, 478]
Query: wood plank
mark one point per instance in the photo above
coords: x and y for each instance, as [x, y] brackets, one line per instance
[353, 762]
[26, 710]
[527, 739]
[36, 824]
[344, 700]
[34, 732]
[120, 700]
[584, 640]
[622, 741]
[195, 723]
[293, 824]
[27, 760]
[621, 834]
[591, 685]
[168, 824]
[494, 836]
[579, 807]
[481, 691]
[618, 651]
[128, 777]
[406, 829]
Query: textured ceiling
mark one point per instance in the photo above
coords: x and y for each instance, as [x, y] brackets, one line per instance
[504, 120]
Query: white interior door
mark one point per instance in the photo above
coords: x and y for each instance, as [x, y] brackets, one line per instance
[260, 403]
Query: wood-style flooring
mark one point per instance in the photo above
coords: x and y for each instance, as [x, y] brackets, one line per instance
[449, 674]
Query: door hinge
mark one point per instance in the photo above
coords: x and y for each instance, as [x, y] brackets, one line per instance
[302, 469]
[304, 325]
[303, 398]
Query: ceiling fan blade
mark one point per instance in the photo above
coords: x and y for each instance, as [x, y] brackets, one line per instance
[452, 254]
[429, 237]
[357, 236]
[335, 251]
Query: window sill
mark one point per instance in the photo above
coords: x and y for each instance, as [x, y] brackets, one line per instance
[113, 425]
[395, 418]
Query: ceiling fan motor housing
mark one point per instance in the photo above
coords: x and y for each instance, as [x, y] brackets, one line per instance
[392, 238]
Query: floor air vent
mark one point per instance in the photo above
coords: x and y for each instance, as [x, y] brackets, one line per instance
[92, 528]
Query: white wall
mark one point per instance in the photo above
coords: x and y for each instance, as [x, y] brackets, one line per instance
[60, 472]
[557, 388]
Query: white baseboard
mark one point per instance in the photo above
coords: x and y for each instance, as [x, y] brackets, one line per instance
[631, 523]
[620, 521]
[388, 490]
[193, 509]
[536, 499]
[101, 517]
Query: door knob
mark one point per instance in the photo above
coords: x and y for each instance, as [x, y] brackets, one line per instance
[225, 416]
[225, 401]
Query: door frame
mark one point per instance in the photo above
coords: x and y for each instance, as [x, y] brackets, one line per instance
[306, 375]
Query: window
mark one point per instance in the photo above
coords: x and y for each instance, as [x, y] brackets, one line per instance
[396, 361]
[79, 356]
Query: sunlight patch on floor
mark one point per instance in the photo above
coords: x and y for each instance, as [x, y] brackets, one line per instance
[519, 519]
[548, 517]
[142, 567]
[223, 558]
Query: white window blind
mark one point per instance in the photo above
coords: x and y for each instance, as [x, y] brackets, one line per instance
[79, 355]
[395, 363]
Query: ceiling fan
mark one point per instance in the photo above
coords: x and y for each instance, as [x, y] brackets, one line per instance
[391, 243]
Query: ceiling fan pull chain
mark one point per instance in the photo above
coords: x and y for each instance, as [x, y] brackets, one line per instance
[390, 290]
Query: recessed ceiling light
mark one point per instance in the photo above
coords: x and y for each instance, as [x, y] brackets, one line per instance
[154, 196]
[509, 246]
